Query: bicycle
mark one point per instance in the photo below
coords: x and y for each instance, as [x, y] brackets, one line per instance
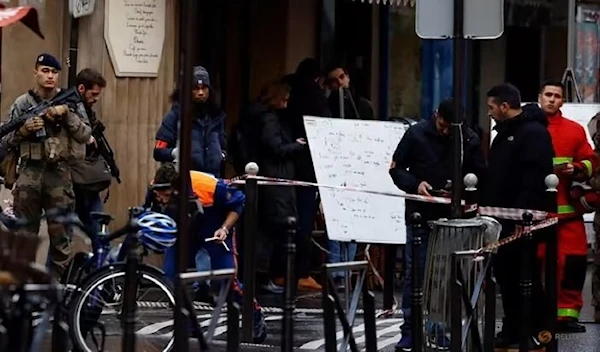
[92, 275]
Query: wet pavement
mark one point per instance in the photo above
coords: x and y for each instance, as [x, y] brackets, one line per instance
[308, 327]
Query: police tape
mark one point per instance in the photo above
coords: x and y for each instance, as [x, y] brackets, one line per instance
[502, 213]
[519, 232]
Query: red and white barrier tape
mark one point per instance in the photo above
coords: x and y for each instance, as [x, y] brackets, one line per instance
[520, 232]
[502, 213]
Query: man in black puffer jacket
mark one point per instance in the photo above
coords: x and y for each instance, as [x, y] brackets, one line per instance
[520, 158]
[421, 165]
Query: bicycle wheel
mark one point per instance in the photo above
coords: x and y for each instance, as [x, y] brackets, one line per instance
[101, 295]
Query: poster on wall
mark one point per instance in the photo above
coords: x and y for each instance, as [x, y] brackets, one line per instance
[587, 58]
[134, 31]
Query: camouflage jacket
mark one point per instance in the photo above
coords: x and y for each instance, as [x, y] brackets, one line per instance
[75, 131]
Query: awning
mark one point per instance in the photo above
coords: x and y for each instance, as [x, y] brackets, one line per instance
[26, 14]
[391, 2]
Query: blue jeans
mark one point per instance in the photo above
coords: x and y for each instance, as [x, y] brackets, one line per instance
[337, 253]
[407, 289]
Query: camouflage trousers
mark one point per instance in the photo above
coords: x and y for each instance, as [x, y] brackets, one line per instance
[43, 187]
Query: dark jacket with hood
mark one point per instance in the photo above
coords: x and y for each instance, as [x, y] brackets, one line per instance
[208, 138]
[424, 154]
[277, 150]
[519, 160]
[306, 98]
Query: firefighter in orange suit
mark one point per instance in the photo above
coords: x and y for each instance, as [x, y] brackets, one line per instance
[575, 161]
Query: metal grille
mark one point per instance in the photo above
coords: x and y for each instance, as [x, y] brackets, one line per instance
[448, 236]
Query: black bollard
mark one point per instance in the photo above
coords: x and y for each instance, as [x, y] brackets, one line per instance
[250, 236]
[328, 312]
[551, 284]
[470, 181]
[233, 323]
[417, 285]
[388, 273]
[129, 300]
[526, 284]
[287, 343]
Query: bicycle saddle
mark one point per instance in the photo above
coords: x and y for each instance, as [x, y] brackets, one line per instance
[101, 218]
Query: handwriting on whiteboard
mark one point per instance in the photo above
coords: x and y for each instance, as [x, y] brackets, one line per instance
[356, 153]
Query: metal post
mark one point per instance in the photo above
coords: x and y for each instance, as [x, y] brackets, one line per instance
[459, 53]
[417, 286]
[455, 306]
[233, 320]
[551, 284]
[571, 33]
[388, 280]
[470, 182]
[189, 15]
[287, 343]
[250, 236]
[490, 309]
[328, 313]
[369, 319]
[129, 299]
[526, 284]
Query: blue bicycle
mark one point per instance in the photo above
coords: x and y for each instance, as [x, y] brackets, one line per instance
[93, 302]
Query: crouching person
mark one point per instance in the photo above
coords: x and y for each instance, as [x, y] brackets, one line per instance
[222, 205]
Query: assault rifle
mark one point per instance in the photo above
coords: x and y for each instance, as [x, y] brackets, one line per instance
[104, 149]
[66, 97]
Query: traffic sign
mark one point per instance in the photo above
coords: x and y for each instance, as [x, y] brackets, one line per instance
[482, 19]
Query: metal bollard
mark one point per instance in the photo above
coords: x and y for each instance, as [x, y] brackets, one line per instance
[233, 322]
[287, 343]
[250, 236]
[470, 181]
[526, 284]
[388, 279]
[129, 299]
[551, 284]
[417, 285]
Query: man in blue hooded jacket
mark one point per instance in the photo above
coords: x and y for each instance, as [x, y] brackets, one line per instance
[208, 128]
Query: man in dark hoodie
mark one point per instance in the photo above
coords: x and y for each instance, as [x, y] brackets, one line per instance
[422, 164]
[208, 129]
[519, 160]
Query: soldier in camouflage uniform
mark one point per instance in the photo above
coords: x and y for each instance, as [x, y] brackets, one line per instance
[44, 179]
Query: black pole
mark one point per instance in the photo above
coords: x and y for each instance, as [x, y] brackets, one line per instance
[233, 323]
[189, 15]
[250, 236]
[490, 308]
[417, 285]
[388, 280]
[369, 319]
[328, 313]
[129, 299]
[459, 57]
[526, 284]
[455, 305]
[551, 284]
[287, 343]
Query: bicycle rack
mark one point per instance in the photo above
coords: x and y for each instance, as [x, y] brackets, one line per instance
[225, 294]
[332, 302]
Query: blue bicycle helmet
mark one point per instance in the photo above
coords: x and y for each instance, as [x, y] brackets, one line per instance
[157, 231]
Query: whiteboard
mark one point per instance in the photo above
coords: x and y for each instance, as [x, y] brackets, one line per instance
[357, 153]
[578, 112]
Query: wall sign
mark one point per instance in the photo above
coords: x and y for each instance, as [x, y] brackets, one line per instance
[134, 31]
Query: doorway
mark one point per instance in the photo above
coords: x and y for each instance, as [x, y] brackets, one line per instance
[523, 60]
